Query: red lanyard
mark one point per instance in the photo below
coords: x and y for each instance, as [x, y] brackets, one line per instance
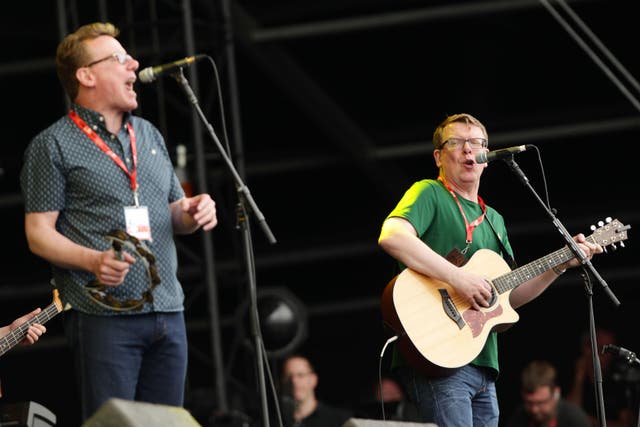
[476, 222]
[109, 152]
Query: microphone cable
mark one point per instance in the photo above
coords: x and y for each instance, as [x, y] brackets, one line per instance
[223, 123]
[384, 347]
[543, 177]
[267, 368]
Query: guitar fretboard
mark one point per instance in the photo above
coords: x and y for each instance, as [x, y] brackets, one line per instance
[14, 337]
[514, 278]
[535, 268]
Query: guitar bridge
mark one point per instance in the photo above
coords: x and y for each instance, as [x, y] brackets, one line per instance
[450, 308]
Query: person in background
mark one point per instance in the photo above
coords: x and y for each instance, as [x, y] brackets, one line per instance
[542, 402]
[96, 170]
[300, 405]
[438, 218]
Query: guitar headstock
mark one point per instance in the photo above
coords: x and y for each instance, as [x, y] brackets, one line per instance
[56, 300]
[609, 233]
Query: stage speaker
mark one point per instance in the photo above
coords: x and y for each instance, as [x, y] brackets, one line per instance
[125, 413]
[362, 422]
[26, 414]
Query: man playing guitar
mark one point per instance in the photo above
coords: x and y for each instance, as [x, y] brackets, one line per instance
[434, 217]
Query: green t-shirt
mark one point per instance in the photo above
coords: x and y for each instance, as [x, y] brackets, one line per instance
[436, 217]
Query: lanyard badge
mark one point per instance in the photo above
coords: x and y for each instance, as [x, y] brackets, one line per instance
[136, 217]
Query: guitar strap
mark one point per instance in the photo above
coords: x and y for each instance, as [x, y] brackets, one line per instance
[505, 254]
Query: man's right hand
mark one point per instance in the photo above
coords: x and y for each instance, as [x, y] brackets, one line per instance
[473, 289]
[111, 270]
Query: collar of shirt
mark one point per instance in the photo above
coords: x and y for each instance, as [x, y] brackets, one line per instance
[96, 120]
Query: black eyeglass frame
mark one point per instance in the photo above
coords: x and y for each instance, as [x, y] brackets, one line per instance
[459, 142]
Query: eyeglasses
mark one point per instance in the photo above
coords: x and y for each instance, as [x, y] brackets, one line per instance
[298, 375]
[120, 57]
[474, 143]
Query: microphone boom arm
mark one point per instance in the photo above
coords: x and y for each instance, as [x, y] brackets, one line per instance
[240, 185]
[563, 231]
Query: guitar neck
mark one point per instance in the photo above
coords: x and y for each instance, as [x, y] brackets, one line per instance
[611, 233]
[14, 337]
[515, 278]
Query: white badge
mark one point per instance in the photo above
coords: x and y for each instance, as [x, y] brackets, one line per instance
[137, 221]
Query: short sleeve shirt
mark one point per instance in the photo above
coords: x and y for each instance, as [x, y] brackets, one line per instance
[436, 217]
[64, 171]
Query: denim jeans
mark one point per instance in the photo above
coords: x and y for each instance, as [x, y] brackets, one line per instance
[139, 357]
[466, 398]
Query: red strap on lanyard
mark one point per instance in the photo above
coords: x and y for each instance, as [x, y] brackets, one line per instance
[109, 152]
[476, 222]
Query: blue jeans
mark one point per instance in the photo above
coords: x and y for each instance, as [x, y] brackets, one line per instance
[466, 398]
[139, 357]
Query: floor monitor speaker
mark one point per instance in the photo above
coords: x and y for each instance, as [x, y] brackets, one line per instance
[26, 414]
[126, 413]
[362, 422]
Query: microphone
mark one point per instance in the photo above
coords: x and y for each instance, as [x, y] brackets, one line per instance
[499, 154]
[149, 74]
[628, 355]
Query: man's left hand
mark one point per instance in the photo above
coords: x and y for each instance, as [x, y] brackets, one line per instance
[34, 331]
[588, 249]
[202, 209]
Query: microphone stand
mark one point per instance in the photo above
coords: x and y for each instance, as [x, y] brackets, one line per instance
[586, 265]
[595, 360]
[244, 197]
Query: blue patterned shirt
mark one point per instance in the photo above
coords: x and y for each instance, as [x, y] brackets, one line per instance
[65, 171]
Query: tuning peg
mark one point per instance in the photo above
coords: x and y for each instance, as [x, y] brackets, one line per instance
[592, 228]
[614, 247]
[600, 223]
[622, 244]
[608, 219]
[604, 249]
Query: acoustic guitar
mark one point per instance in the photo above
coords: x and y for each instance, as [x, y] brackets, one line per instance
[438, 331]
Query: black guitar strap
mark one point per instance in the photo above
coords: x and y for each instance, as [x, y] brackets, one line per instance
[505, 254]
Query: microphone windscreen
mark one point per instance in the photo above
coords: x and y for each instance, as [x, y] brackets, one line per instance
[146, 75]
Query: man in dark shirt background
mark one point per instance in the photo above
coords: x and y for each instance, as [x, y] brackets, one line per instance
[542, 403]
[300, 406]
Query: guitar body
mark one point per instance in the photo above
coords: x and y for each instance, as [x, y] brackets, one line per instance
[438, 331]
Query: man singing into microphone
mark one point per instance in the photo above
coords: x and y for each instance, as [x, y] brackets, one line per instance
[433, 221]
[97, 169]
